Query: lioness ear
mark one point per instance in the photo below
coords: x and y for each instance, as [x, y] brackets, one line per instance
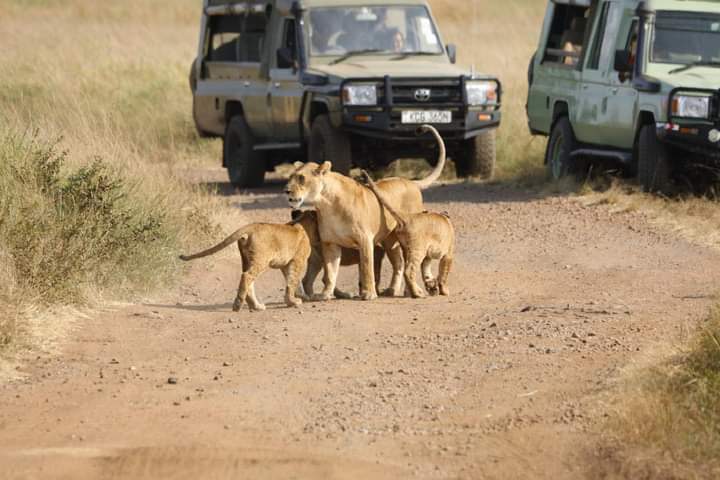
[298, 165]
[324, 168]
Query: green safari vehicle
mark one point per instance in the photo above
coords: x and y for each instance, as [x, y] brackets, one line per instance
[635, 82]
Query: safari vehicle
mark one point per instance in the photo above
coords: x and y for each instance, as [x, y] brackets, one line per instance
[635, 82]
[342, 80]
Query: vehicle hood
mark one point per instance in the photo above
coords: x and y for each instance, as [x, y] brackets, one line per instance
[380, 68]
[699, 77]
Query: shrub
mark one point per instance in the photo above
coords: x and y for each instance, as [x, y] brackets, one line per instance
[65, 232]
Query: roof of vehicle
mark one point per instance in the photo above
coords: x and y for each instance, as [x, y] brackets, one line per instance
[238, 6]
[286, 4]
[677, 5]
[685, 5]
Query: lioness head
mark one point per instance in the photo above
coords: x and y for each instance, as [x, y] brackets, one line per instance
[306, 183]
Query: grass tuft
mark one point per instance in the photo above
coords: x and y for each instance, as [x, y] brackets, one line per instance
[667, 425]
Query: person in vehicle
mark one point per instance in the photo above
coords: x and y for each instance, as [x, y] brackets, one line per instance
[398, 41]
[572, 40]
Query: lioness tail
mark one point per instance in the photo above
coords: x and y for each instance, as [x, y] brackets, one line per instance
[239, 235]
[437, 171]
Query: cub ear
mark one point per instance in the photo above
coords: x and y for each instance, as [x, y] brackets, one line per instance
[295, 215]
[298, 165]
[324, 168]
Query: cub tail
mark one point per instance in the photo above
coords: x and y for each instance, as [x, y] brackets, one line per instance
[240, 235]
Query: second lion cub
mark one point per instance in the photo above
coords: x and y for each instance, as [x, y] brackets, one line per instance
[423, 237]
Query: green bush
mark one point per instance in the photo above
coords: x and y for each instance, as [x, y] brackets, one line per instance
[69, 231]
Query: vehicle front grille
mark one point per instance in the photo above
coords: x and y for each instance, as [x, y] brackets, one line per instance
[442, 92]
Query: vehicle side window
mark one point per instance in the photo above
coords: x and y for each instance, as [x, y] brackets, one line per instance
[631, 48]
[594, 58]
[567, 35]
[236, 38]
[632, 41]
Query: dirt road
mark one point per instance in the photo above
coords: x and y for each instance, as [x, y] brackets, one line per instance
[550, 301]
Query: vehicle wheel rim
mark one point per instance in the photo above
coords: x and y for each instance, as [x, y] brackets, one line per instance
[555, 163]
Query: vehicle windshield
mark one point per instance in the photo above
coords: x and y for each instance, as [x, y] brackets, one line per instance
[685, 38]
[378, 30]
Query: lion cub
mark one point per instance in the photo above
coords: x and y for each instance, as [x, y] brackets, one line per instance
[263, 246]
[423, 237]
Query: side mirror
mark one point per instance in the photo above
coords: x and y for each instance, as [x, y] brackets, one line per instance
[285, 58]
[623, 63]
[452, 52]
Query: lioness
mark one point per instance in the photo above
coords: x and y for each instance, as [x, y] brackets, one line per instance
[308, 219]
[263, 246]
[424, 237]
[350, 216]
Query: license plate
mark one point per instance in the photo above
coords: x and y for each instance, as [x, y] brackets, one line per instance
[426, 116]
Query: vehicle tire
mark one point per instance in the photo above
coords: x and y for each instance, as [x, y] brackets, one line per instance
[246, 167]
[653, 162]
[327, 143]
[477, 158]
[559, 147]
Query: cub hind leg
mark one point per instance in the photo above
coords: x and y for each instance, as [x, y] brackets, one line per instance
[412, 261]
[443, 273]
[293, 273]
[246, 290]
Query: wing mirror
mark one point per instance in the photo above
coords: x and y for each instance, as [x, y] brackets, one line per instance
[452, 52]
[285, 58]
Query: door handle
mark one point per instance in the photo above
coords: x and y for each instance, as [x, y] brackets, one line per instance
[614, 90]
[585, 86]
[246, 84]
[276, 85]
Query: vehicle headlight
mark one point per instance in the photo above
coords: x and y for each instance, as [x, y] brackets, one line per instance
[481, 93]
[359, 95]
[691, 106]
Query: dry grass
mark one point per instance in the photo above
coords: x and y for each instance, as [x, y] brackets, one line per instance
[103, 80]
[499, 40]
[667, 422]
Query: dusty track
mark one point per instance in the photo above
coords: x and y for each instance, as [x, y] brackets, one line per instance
[550, 301]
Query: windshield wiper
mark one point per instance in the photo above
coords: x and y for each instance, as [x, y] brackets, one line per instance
[354, 53]
[695, 64]
[404, 55]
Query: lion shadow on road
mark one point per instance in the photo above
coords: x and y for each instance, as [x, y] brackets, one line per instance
[214, 307]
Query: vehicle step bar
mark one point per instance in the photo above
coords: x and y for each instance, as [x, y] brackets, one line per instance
[622, 157]
[277, 146]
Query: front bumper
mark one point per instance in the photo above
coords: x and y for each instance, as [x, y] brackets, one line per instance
[699, 138]
[395, 95]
